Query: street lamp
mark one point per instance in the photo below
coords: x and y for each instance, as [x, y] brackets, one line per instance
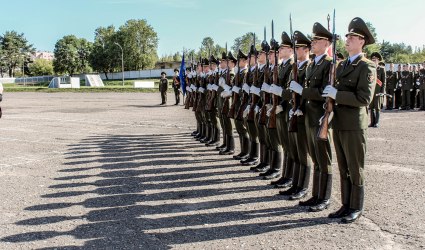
[122, 62]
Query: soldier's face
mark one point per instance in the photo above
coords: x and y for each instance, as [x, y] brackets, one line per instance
[391, 67]
[213, 67]
[319, 46]
[231, 64]
[375, 60]
[405, 68]
[354, 43]
[243, 63]
[262, 58]
[285, 52]
[271, 57]
[252, 59]
[302, 53]
[222, 64]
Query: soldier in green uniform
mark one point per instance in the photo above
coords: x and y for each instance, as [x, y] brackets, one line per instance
[264, 164]
[203, 101]
[227, 84]
[1, 96]
[415, 93]
[391, 86]
[375, 105]
[237, 100]
[212, 112]
[406, 82]
[282, 90]
[421, 81]
[197, 84]
[176, 86]
[298, 140]
[163, 87]
[355, 84]
[317, 78]
[252, 101]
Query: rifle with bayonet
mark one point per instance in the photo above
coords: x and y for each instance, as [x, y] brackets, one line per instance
[293, 122]
[188, 93]
[322, 134]
[197, 82]
[276, 101]
[266, 96]
[254, 98]
[226, 104]
[245, 96]
[231, 113]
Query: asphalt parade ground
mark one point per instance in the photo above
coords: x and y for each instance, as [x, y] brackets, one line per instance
[118, 171]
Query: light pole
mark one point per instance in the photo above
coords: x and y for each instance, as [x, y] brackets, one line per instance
[122, 62]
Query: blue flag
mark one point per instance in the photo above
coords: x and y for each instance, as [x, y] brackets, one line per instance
[182, 76]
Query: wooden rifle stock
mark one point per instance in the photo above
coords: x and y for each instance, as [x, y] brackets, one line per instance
[226, 104]
[263, 113]
[272, 118]
[231, 113]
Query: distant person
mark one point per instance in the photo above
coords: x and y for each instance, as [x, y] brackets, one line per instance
[391, 86]
[1, 96]
[176, 86]
[397, 90]
[163, 86]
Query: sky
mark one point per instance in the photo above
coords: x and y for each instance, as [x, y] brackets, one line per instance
[184, 23]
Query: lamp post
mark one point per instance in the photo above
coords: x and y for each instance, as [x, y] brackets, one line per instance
[122, 62]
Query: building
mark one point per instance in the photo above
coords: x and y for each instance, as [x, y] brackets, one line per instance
[47, 55]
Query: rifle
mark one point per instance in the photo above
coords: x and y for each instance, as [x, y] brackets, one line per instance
[208, 95]
[276, 101]
[231, 113]
[254, 97]
[293, 122]
[197, 80]
[245, 96]
[187, 100]
[322, 134]
[262, 120]
[192, 94]
[225, 109]
[201, 107]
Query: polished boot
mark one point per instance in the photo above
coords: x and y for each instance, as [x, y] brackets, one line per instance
[281, 179]
[254, 153]
[260, 163]
[287, 173]
[340, 213]
[244, 142]
[299, 194]
[208, 133]
[222, 146]
[215, 139]
[310, 202]
[205, 135]
[325, 189]
[201, 133]
[264, 165]
[275, 166]
[290, 191]
[230, 149]
[377, 113]
[356, 204]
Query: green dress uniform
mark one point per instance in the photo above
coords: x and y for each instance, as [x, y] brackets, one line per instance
[317, 78]
[197, 83]
[390, 88]
[163, 87]
[406, 82]
[414, 101]
[240, 125]
[176, 86]
[252, 102]
[355, 84]
[212, 112]
[422, 89]
[375, 105]
[201, 102]
[298, 140]
[220, 101]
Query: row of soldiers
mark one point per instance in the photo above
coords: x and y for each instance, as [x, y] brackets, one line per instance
[275, 99]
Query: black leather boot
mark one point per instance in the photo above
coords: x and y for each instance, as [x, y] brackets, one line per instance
[201, 133]
[275, 166]
[215, 139]
[230, 149]
[315, 192]
[244, 142]
[325, 190]
[356, 204]
[222, 146]
[372, 118]
[377, 113]
[265, 166]
[254, 153]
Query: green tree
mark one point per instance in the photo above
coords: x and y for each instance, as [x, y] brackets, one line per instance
[41, 67]
[15, 50]
[140, 42]
[244, 43]
[369, 49]
[71, 55]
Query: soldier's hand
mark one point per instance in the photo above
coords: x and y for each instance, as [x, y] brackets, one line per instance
[296, 87]
[279, 109]
[411, 90]
[268, 106]
[246, 111]
[291, 113]
[330, 91]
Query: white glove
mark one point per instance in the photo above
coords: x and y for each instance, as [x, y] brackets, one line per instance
[265, 87]
[276, 90]
[296, 87]
[399, 85]
[330, 91]
[395, 89]
[418, 83]
[298, 112]
[246, 111]
[268, 106]
[1, 88]
[291, 113]
[245, 88]
[221, 82]
[279, 109]
[187, 89]
[331, 115]
[269, 112]
[226, 94]
[256, 109]
[411, 90]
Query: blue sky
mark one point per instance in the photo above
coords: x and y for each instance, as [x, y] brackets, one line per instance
[184, 23]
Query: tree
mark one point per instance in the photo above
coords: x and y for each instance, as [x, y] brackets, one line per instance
[103, 57]
[140, 43]
[41, 67]
[15, 50]
[369, 49]
[244, 43]
[71, 55]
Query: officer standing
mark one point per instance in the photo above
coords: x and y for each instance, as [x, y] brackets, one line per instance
[406, 87]
[391, 86]
[375, 105]
[422, 87]
[176, 86]
[163, 87]
[355, 85]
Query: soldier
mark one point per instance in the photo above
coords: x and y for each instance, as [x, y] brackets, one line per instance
[406, 87]
[391, 86]
[415, 93]
[251, 80]
[226, 95]
[163, 87]
[197, 78]
[237, 94]
[176, 86]
[1, 96]
[355, 83]
[375, 105]
[421, 81]
[203, 91]
[397, 90]
[298, 137]
[282, 90]
[220, 100]
[212, 103]
[317, 78]
[276, 150]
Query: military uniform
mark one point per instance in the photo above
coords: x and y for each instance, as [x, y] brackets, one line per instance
[176, 86]
[220, 101]
[298, 139]
[414, 100]
[422, 89]
[375, 105]
[163, 87]
[406, 82]
[390, 88]
[212, 88]
[355, 85]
